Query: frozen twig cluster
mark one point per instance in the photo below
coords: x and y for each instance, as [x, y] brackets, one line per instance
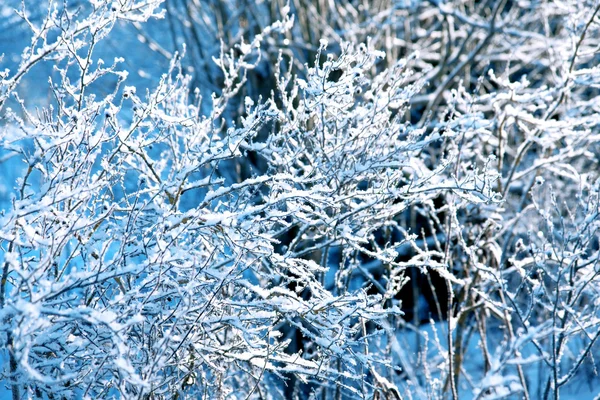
[249, 226]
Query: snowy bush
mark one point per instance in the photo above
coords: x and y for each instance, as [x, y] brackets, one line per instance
[311, 200]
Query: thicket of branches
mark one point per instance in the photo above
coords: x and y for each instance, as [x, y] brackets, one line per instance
[304, 199]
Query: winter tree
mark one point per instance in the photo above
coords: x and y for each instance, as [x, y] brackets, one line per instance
[303, 200]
